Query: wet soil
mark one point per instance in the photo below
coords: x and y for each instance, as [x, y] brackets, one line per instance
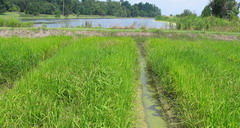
[154, 115]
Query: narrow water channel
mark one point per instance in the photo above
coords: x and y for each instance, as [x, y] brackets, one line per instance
[152, 110]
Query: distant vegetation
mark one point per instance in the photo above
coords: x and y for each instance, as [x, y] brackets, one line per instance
[85, 7]
[227, 9]
[13, 23]
[224, 19]
[203, 23]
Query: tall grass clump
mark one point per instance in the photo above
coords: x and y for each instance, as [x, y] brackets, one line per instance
[203, 23]
[207, 23]
[18, 55]
[202, 77]
[88, 84]
[10, 22]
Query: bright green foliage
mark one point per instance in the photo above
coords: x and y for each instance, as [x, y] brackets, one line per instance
[88, 84]
[202, 76]
[18, 55]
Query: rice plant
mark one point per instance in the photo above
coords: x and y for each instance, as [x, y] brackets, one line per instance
[202, 76]
[18, 55]
[89, 83]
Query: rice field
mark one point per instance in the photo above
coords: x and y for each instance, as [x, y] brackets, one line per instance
[18, 55]
[91, 82]
[202, 76]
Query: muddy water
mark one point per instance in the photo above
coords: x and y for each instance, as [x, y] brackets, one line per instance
[153, 112]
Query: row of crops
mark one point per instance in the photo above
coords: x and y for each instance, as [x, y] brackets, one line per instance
[204, 78]
[91, 82]
[88, 83]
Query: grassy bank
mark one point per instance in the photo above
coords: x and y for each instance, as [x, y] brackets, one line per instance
[12, 22]
[18, 55]
[203, 23]
[90, 83]
[201, 77]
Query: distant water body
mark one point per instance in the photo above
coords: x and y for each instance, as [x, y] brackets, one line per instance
[104, 23]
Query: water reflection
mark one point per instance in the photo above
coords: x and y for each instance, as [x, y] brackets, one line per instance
[104, 23]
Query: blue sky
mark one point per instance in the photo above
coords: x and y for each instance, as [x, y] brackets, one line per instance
[176, 6]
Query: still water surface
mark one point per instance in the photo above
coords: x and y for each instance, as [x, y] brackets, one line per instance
[104, 23]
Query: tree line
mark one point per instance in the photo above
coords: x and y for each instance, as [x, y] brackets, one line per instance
[80, 7]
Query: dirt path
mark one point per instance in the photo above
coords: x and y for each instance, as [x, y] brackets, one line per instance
[174, 35]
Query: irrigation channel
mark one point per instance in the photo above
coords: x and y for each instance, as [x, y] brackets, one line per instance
[153, 112]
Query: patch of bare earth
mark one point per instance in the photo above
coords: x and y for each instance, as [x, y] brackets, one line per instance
[140, 34]
[45, 33]
[223, 37]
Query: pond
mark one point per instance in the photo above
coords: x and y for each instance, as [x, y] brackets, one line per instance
[104, 23]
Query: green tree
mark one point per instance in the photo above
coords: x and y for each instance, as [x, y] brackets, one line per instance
[206, 11]
[57, 13]
[126, 7]
[33, 8]
[187, 12]
[148, 10]
[135, 11]
[3, 6]
[224, 8]
[88, 7]
[100, 8]
[76, 7]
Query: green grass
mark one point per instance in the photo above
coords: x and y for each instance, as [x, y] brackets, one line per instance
[89, 83]
[12, 22]
[18, 55]
[203, 23]
[10, 15]
[202, 76]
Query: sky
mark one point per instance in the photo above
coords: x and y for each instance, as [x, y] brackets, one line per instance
[177, 6]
